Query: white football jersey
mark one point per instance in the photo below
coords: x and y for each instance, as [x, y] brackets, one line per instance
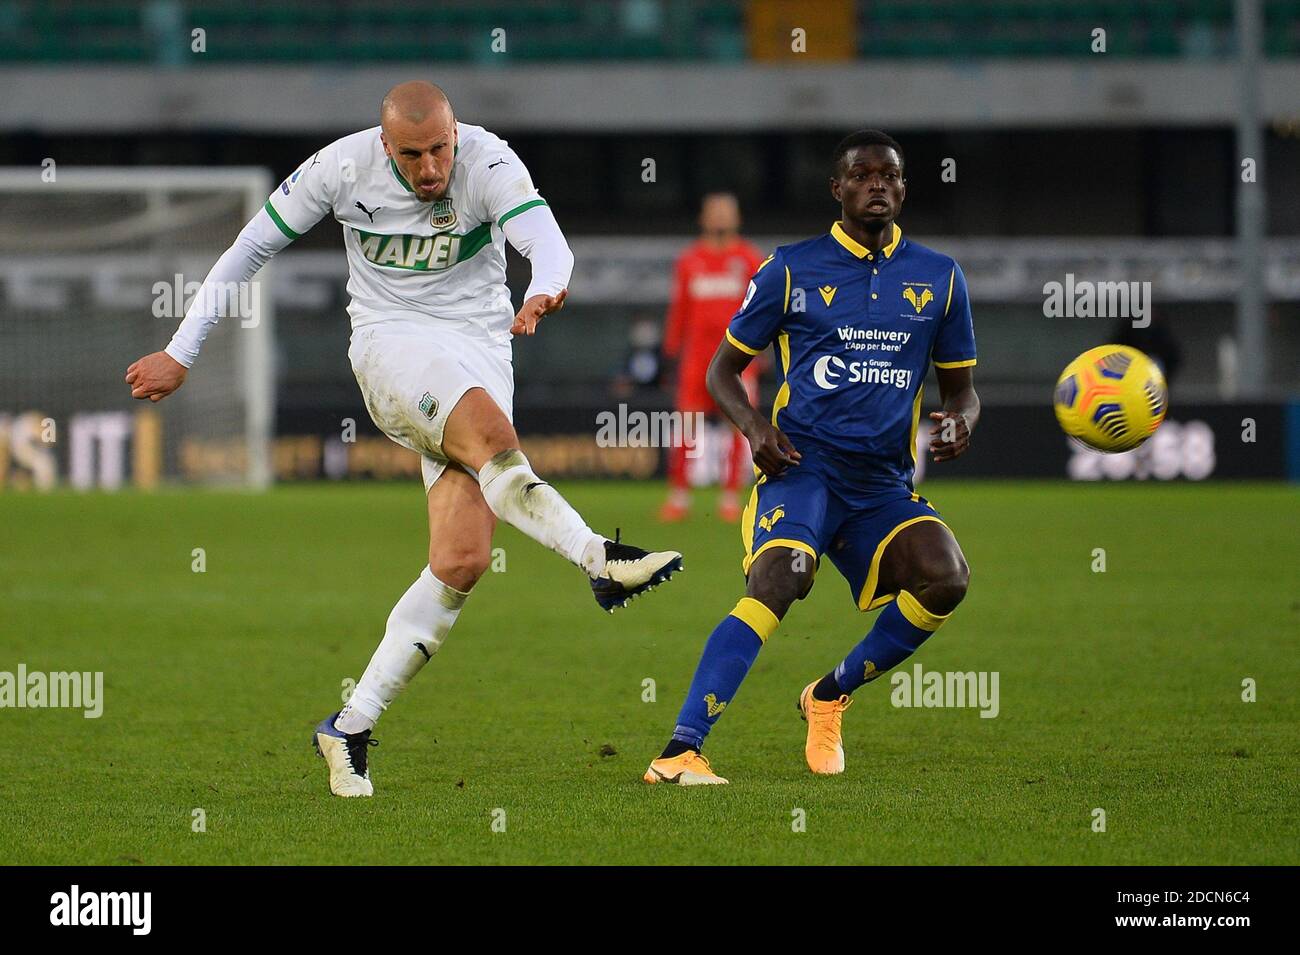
[440, 261]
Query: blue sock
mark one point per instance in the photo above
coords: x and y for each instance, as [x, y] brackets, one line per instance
[901, 627]
[729, 653]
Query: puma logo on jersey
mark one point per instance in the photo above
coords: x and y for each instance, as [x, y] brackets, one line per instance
[711, 701]
[497, 163]
[368, 212]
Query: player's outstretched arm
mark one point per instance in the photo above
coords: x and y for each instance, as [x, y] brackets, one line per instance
[299, 203]
[950, 436]
[157, 375]
[537, 237]
[772, 450]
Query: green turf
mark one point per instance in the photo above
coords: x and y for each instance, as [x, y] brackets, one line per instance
[1119, 690]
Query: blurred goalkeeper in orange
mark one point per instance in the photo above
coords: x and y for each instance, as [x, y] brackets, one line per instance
[709, 283]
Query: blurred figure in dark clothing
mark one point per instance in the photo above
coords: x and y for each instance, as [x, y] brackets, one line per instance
[1156, 341]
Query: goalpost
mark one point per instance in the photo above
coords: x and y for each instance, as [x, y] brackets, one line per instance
[97, 266]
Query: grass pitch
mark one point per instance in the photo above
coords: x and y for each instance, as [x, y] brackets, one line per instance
[1119, 690]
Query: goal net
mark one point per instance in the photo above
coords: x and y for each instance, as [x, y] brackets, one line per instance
[97, 267]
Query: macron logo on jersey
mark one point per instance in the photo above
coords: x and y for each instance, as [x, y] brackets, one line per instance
[830, 371]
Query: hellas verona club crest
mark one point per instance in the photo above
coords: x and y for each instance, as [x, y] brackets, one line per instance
[919, 294]
[442, 215]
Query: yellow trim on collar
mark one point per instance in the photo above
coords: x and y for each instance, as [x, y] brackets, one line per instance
[898, 237]
[857, 248]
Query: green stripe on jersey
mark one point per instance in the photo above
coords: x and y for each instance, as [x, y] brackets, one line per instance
[518, 209]
[275, 217]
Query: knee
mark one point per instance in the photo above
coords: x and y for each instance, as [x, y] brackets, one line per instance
[781, 579]
[460, 568]
[941, 584]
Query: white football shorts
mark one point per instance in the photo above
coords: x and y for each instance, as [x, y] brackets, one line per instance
[412, 374]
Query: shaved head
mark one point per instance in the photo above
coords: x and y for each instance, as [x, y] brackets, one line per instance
[414, 102]
[419, 135]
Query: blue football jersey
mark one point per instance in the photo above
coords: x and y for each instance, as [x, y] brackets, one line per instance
[855, 332]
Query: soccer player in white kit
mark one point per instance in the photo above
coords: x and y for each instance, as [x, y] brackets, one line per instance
[426, 204]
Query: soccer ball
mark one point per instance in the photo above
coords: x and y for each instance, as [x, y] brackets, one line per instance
[1111, 398]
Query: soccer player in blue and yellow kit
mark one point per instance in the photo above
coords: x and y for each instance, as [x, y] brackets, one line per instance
[857, 316]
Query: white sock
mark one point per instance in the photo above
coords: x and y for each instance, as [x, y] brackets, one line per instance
[418, 624]
[526, 502]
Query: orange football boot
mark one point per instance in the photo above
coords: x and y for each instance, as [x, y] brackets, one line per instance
[685, 769]
[824, 748]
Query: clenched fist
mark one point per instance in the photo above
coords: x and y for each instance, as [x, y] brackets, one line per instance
[155, 376]
[772, 450]
[950, 437]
